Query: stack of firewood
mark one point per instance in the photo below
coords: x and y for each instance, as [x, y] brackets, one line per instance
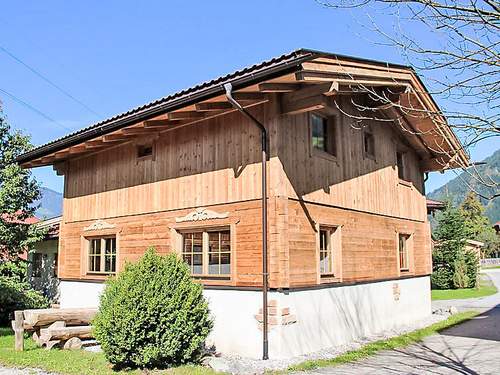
[64, 328]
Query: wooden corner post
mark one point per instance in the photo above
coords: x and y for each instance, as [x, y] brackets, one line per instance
[18, 327]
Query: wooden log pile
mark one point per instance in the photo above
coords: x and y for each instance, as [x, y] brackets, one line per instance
[64, 328]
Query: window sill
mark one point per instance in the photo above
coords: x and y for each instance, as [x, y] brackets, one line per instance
[101, 273]
[329, 278]
[405, 183]
[212, 277]
[324, 155]
[370, 156]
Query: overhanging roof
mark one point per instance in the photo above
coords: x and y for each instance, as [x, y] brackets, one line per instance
[290, 63]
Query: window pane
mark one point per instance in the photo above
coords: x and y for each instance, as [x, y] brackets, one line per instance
[198, 242]
[319, 132]
[403, 252]
[110, 245]
[400, 165]
[325, 251]
[197, 264]
[225, 263]
[369, 143]
[213, 263]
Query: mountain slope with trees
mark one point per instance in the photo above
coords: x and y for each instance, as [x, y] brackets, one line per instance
[457, 189]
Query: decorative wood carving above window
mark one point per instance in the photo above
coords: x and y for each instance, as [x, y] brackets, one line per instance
[201, 214]
[99, 225]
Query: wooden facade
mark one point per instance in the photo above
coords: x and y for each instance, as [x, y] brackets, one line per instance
[211, 161]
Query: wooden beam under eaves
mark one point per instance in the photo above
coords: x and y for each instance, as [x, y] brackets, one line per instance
[213, 106]
[249, 96]
[278, 87]
[312, 103]
[135, 131]
[109, 138]
[184, 115]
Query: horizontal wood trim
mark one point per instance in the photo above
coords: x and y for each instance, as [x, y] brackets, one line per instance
[281, 290]
[355, 210]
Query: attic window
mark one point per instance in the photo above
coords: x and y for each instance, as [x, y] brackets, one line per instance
[400, 162]
[368, 143]
[323, 134]
[144, 151]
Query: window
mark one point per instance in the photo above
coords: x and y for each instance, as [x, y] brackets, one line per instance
[208, 252]
[55, 265]
[144, 151]
[403, 252]
[368, 143]
[400, 162]
[102, 255]
[37, 264]
[328, 250]
[325, 253]
[323, 134]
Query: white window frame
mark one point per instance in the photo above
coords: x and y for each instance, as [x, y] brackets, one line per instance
[205, 250]
[334, 241]
[407, 253]
[103, 254]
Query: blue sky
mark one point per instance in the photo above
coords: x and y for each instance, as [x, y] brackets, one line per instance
[115, 55]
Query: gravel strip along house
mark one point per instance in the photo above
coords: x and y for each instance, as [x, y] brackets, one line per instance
[337, 247]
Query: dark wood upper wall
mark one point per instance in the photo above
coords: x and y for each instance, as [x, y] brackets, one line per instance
[218, 161]
[350, 180]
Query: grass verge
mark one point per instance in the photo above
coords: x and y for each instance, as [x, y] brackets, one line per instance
[486, 288]
[377, 346]
[77, 362]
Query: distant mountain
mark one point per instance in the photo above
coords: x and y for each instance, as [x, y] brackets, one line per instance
[50, 204]
[457, 188]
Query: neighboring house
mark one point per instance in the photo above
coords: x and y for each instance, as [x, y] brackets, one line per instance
[14, 220]
[475, 247]
[42, 269]
[346, 248]
[433, 206]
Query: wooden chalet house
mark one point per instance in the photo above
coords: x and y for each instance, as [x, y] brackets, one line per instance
[347, 241]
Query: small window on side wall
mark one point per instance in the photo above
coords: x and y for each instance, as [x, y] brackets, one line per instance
[102, 255]
[328, 248]
[400, 163]
[368, 143]
[323, 134]
[37, 264]
[145, 151]
[404, 261]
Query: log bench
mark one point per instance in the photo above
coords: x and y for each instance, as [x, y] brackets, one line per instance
[54, 327]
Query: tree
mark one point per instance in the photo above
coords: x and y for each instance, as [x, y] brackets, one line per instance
[456, 50]
[473, 213]
[18, 192]
[477, 225]
[448, 254]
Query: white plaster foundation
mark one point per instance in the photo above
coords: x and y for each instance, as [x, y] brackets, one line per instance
[325, 317]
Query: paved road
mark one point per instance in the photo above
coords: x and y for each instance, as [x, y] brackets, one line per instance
[470, 348]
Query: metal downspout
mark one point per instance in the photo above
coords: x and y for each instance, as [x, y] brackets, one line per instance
[265, 286]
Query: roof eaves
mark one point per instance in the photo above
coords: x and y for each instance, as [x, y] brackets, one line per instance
[240, 78]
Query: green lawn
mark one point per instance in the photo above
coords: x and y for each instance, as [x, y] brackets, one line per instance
[486, 288]
[375, 347]
[489, 267]
[76, 362]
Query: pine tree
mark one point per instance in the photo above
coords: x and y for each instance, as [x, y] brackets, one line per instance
[449, 249]
[473, 213]
[18, 192]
